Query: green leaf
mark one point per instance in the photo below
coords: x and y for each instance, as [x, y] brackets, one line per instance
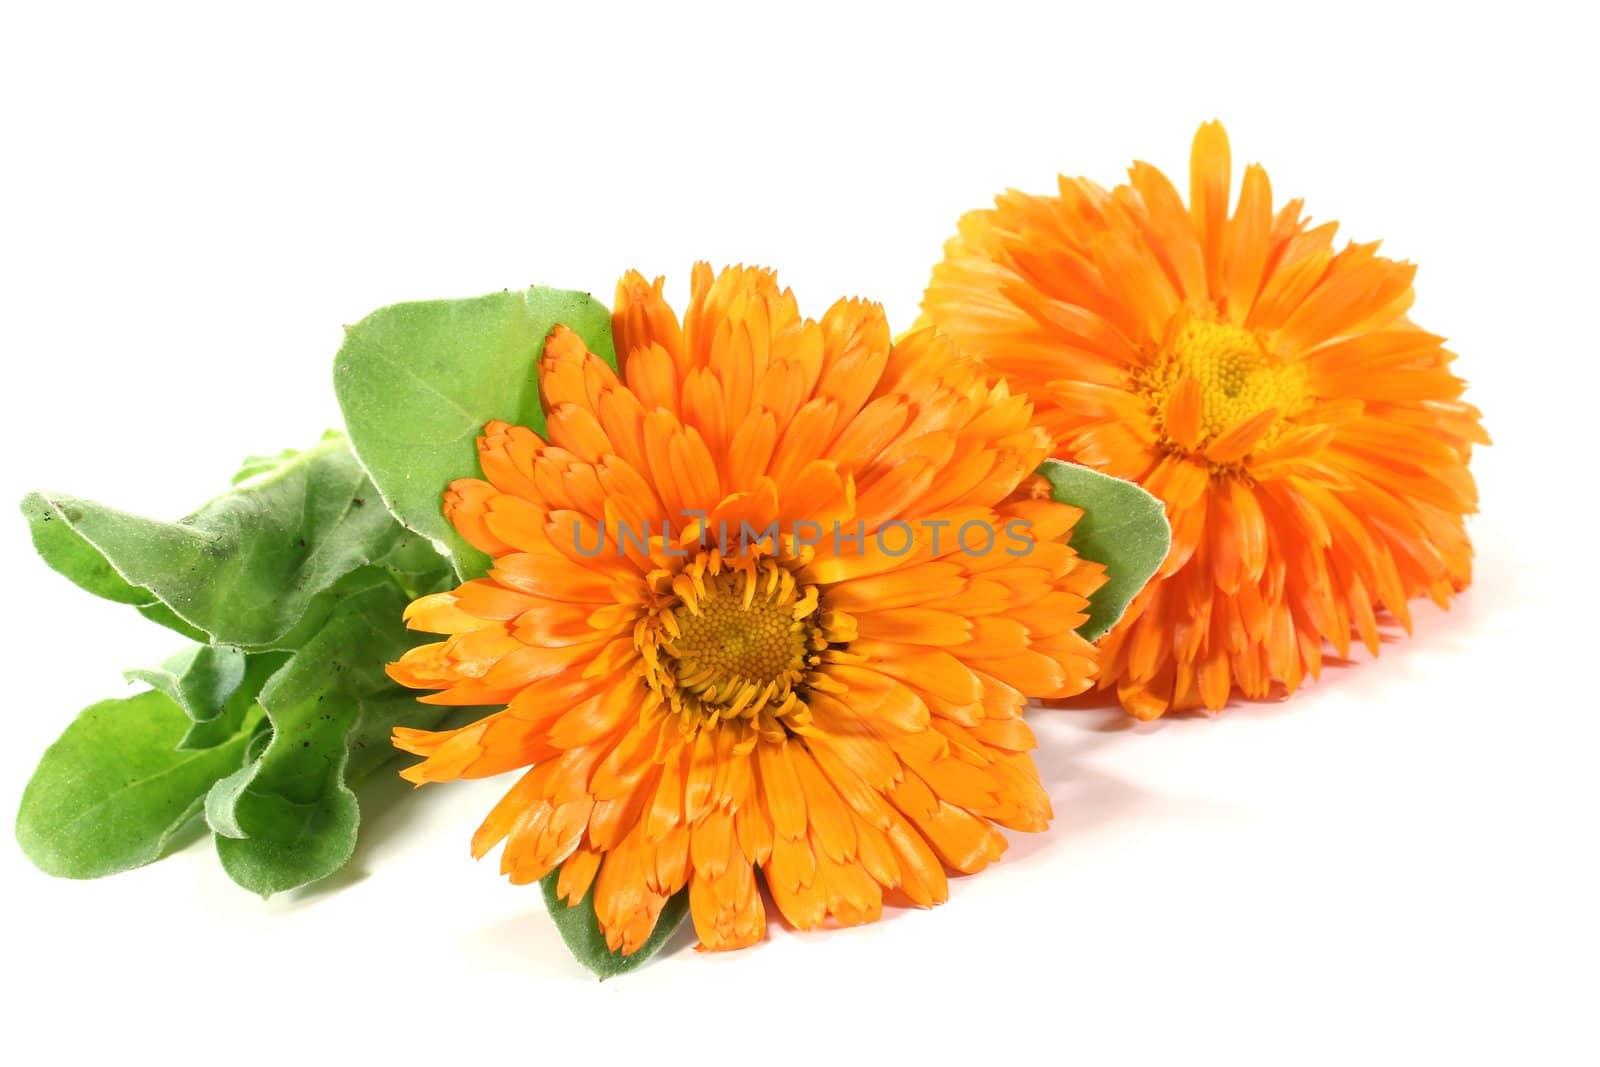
[289, 816]
[417, 567]
[417, 382]
[297, 579]
[201, 682]
[201, 679]
[1123, 527]
[110, 794]
[246, 568]
[255, 466]
[67, 551]
[581, 930]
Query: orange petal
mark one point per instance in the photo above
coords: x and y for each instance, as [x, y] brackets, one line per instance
[1210, 180]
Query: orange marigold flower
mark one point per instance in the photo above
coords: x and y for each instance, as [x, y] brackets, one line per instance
[694, 705]
[1309, 441]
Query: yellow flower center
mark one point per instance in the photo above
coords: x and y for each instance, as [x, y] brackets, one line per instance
[742, 633]
[1237, 379]
[737, 639]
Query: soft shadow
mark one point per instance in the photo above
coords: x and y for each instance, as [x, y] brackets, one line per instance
[683, 940]
[1432, 628]
[525, 944]
[1083, 797]
[188, 835]
[387, 803]
[1098, 710]
[529, 944]
[380, 795]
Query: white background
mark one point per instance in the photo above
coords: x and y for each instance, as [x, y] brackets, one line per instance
[1396, 866]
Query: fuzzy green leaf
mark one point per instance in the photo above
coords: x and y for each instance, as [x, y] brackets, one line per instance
[255, 466]
[289, 816]
[418, 381]
[297, 578]
[243, 570]
[1123, 527]
[581, 930]
[110, 794]
[71, 554]
[215, 685]
[201, 680]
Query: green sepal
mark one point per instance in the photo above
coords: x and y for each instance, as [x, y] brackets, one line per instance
[417, 382]
[580, 929]
[1123, 527]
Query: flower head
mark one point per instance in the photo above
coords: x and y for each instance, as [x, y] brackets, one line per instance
[1309, 441]
[725, 628]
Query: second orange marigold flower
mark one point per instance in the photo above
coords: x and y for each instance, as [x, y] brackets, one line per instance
[1309, 440]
